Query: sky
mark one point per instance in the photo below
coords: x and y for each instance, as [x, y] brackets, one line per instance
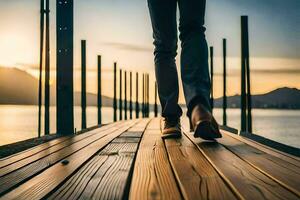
[120, 31]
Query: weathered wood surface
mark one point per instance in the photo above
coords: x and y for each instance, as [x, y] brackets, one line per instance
[129, 160]
[284, 156]
[44, 182]
[196, 176]
[29, 152]
[285, 173]
[152, 175]
[27, 159]
[105, 176]
[249, 182]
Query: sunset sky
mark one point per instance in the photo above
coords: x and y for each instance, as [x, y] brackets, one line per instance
[120, 31]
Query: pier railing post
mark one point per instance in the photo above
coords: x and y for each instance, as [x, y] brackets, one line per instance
[243, 75]
[245, 41]
[125, 95]
[143, 102]
[99, 93]
[47, 71]
[148, 95]
[120, 98]
[137, 106]
[212, 77]
[145, 96]
[42, 18]
[224, 82]
[83, 84]
[130, 95]
[155, 101]
[64, 72]
[115, 92]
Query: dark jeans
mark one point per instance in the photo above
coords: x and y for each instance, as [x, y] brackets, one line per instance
[194, 55]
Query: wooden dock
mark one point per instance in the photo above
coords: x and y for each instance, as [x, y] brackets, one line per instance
[129, 160]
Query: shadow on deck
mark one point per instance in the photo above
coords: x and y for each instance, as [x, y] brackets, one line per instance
[128, 159]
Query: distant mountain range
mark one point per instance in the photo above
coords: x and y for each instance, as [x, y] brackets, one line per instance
[281, 98]
[19, 87]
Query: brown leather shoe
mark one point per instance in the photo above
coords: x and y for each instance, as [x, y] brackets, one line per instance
[204, 124]
[171, 129]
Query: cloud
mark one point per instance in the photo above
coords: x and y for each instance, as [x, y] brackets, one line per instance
[276, 71]
[26, 66]
[129, 47]
[289, 71]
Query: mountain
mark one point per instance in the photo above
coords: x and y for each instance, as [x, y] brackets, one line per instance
[282, 98]
[19, 87]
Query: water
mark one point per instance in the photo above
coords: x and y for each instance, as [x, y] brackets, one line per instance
[20, 122]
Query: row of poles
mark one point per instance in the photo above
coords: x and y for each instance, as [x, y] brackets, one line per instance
[45, 32]
[65, 102]
[120, 103]
[124, 105]
[65, 58]
[246, 103]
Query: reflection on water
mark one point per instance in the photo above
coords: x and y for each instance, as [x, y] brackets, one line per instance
[20, 122]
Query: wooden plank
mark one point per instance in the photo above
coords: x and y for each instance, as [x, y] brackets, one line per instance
[152, 175]
[284, 156]
[288, 150]
[15, 178]
[196, 176]
[105, 176]
[133, 134]
[286, 174]
[41, 185]
[88, 181]
[247, 181]
[106, 187]
[12, 159]
[28, 152]
[126, 140]
[76, 184]
[42, 154]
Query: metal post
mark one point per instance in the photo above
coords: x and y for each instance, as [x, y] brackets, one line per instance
[125, 97]
[115, 92]
[83, 84]
[247, 63]
[47, 71]
[224, 83]
[155, 101]
[137, 106]
[243, 78]
[148, 95]
[41, 63]
[120, 98]
[64, 72]
[99, 94]
[212, 77]
[143, 102]
[130, 96]
[145, 93]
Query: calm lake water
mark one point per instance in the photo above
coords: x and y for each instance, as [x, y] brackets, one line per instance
[20, 122]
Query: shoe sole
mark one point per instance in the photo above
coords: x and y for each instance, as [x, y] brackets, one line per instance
[171, 135]
[206, 131]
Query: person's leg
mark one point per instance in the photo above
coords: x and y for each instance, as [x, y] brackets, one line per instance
[194, 56]
[163, 18]
[194, 69]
